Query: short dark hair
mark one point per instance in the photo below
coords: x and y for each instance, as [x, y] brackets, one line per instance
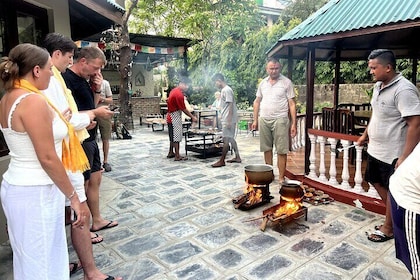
[384, 56]
[90, 53]
[273, 60]
[56, 41]
[218, 76]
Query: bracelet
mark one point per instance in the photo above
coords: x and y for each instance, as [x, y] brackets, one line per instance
[98, 92]
[72, 194]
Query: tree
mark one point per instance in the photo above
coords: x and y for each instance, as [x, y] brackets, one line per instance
[219, 29]
[122, 40]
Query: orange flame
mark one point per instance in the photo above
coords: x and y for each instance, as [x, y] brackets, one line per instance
[288, 208]
[254, 195]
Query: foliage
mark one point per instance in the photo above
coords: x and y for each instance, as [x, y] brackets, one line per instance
[301, 9]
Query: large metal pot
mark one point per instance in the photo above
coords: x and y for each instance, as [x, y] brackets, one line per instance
[292, 189]
[259, 174]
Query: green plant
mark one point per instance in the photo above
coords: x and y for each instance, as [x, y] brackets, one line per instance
[369, 92]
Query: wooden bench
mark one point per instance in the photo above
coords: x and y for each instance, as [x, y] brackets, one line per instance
[156, 121]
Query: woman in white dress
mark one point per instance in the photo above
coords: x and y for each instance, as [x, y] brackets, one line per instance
[35, 184]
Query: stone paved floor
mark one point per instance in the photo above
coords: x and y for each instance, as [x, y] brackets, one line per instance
[177, 221]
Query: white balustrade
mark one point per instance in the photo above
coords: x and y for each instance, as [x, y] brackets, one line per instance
[331, 177]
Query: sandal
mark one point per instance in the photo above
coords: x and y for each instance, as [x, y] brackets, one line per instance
[377, 227]
[74, 267]
[379, 236]
[96, 239]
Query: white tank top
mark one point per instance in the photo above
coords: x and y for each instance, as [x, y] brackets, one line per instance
[24, 168]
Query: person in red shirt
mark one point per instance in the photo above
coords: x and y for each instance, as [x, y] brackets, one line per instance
[176, 105]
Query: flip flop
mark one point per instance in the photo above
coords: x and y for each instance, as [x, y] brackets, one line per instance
[95, 237]
[170, 156]
[75, 268]
[379, 236]
[107, 226]
[111, 277]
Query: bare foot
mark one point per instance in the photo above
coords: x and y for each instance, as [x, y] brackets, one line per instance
[237, 160]
[218, 164]
[180, 158]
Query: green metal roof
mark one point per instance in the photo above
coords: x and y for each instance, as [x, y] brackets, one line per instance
[340, 20]
[116, 5]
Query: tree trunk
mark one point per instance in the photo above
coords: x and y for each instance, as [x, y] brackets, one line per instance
[126, 114]
[126, 62]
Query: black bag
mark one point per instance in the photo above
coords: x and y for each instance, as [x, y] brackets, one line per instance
[122, 132]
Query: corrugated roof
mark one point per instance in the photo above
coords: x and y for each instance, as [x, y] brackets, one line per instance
[112, 2]
[350, 29]
[344, 15]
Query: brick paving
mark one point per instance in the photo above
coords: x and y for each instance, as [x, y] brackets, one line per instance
[177, 221]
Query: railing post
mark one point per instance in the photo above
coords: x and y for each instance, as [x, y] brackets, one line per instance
[358, 179]
[312, 158]
[345, 175]
[333, 168]
[321, 141]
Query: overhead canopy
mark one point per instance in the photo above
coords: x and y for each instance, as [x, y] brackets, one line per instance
[89, 17]
[350, 29]
[152, 49]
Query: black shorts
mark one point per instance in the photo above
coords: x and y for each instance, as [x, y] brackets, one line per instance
[171, 132]
[92, 153]
[406, 225]
[378, 171]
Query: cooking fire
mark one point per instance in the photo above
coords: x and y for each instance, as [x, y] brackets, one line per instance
[257, 190]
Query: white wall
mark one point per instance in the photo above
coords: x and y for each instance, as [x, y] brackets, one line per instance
[58, 13]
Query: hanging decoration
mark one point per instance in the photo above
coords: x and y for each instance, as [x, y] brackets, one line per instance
[134, 47]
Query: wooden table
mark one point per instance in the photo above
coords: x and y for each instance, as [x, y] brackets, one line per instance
[362, 116]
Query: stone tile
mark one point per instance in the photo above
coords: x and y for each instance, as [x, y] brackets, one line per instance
[346, 257]
[151, 210]
[317, 271]
[308, 247]
[177, 253]
[259, 243]
[181, 213]
[181, 230]
[210, 218]
[212, 202]
[195, 271]
[218, 237]
[180, 201]
[147, 225]
[140, 245]
[271, 268]
[149, 198]
[118, 234]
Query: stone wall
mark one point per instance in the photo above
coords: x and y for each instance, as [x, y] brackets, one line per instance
[143, 105]
[354, 93]
[348, 93]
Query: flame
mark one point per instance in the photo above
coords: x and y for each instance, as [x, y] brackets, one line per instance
[254, 195]
[290, 207]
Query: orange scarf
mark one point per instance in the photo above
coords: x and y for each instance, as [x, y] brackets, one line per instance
[74, 158]
[81, 134]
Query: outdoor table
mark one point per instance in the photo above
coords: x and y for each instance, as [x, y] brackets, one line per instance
[362, 116]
